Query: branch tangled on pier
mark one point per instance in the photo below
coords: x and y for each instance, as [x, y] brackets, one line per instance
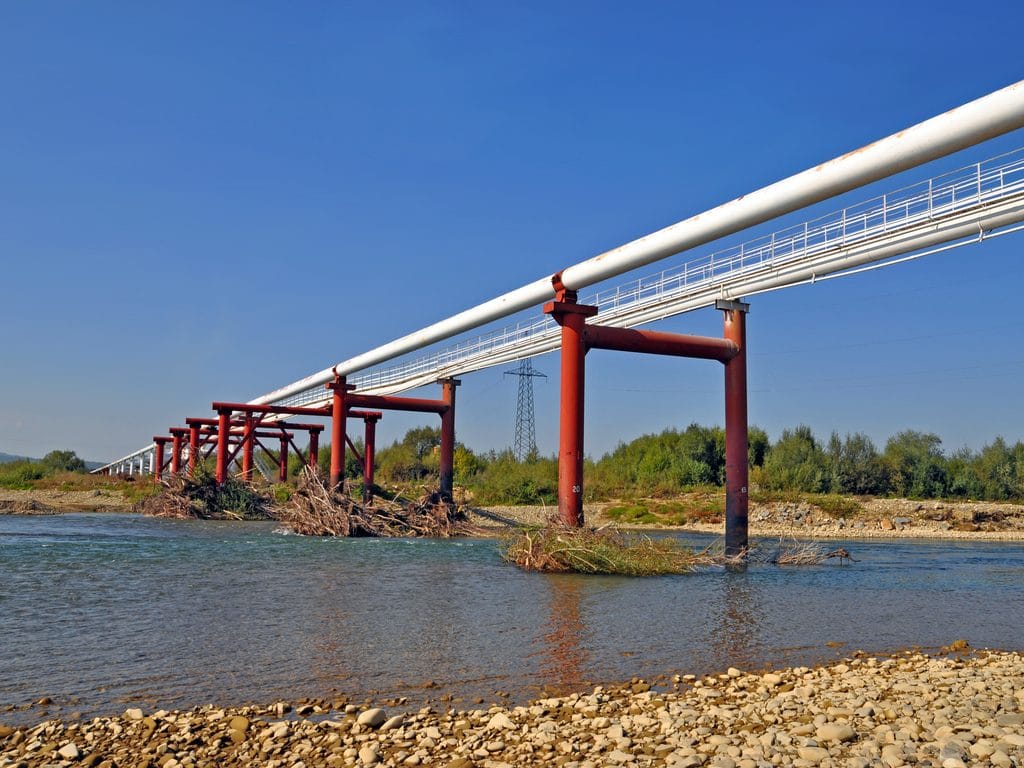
[201, 497]
[805, 553]
[316, 510]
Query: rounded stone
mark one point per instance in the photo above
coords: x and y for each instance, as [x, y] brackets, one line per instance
[69, 751]
[372, 717]
[835, 732]
[369, 756]
[812, 754]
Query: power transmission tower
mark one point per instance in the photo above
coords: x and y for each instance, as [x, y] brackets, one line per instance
[526, 433]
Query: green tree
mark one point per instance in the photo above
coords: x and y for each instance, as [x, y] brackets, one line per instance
[962, 475]
[854, 466]
[63, 461]
[994, 467]
[915, 464]
[757, 446]
[796, 463]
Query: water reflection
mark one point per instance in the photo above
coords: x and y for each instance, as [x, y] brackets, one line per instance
[563, 655]
[737, 636]
[230, 613]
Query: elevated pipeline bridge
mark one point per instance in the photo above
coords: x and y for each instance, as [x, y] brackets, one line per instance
[962, 207]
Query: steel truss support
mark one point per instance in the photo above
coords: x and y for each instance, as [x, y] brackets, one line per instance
[370, 420]
[447, 451]
[242, 433]
[344, 399]
[158, 457]
[578, 338]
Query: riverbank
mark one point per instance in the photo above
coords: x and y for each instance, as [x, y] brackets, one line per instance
[799, 518]
[802, 519]
[55, 501]
[911, 709]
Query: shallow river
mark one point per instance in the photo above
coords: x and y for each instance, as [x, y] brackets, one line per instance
[99, 610]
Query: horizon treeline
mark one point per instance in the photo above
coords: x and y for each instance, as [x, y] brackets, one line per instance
[911, 464]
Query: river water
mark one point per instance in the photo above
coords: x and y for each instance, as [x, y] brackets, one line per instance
[103, 611]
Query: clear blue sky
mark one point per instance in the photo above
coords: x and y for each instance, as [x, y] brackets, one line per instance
[205, 201]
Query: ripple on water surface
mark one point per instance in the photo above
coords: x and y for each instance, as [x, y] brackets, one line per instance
[98, 610]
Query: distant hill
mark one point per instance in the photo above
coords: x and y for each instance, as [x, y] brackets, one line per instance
[8, 457]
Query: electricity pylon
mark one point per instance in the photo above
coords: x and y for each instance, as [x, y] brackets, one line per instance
[526, 434]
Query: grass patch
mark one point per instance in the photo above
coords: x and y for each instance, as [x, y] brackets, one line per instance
[831, 503]
[558, 549]
[633, 513]
[703, 505]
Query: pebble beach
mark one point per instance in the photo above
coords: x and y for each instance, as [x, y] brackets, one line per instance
[949, 711]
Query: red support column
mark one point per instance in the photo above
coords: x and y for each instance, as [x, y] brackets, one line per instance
[338, 416]
[736, 466]
[223, 432]
[314, 448]
[193, 448]
[158, 460]
[282, 462]
[447, 458]
[573, 318]
[369, 447]
[176, 454]
[247, 446]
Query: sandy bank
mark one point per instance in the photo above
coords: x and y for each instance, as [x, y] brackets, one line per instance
[878, 519]
[42, 502]
[912, 710]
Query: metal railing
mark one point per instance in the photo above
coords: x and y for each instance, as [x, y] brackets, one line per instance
[967, 189]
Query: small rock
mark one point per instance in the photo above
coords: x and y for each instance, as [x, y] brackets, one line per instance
[69, 751]
[239, 723]
[369, 755]
[500, 722]
[372, 717]
[835, 732]
[133, 714]
[395, 722]
[952, 750]
[812, 754]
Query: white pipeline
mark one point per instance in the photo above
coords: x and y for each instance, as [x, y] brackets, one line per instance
[977, 121]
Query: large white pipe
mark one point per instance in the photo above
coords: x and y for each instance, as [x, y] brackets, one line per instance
[977, 121]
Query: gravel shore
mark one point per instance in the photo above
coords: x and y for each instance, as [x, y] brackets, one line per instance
[908, 710]
[878, 519]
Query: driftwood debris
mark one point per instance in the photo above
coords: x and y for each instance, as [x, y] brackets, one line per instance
[316, 510]
[806, 553]
[202, 497]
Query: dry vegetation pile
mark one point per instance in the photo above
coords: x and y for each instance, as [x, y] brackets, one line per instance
[200, 496]
[316, 510]
[556, 548]
[802, 553]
